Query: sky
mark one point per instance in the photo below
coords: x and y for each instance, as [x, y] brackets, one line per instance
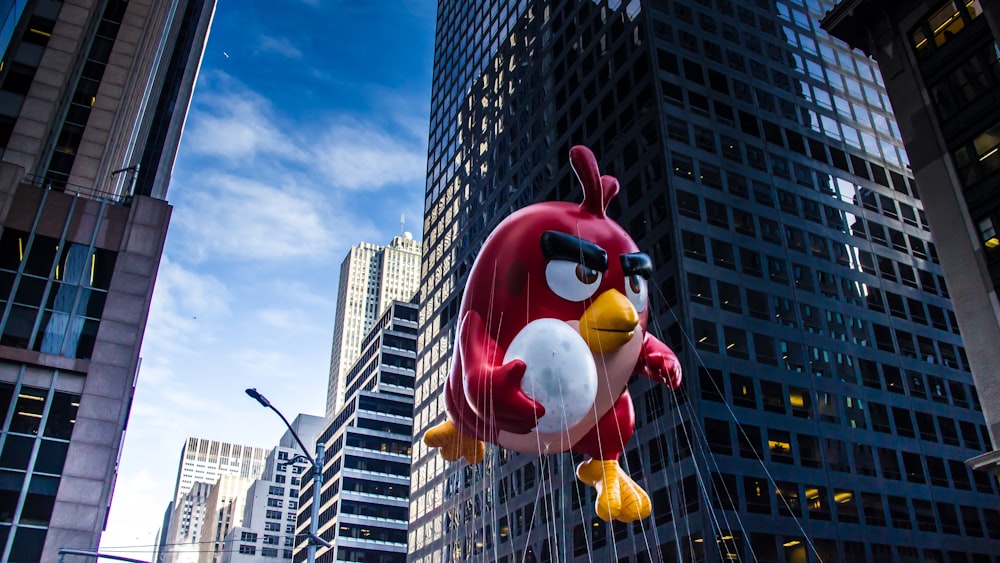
[307, 134]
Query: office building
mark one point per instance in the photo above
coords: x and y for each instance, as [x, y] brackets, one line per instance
[371, 277]
[827, 408]
[206, 460]
[186, 523]
[93, 97]
[201, 464]
[941, 67]
[223, 512]
[366, 477]
[265, 530]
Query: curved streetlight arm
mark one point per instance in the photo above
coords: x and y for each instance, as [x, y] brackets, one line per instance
[264, 402]
[317, 464]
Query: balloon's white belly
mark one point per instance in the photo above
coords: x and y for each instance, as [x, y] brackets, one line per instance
[560, 372]
[575, 387]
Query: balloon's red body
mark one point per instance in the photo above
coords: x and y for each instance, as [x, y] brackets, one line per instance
[511, 285]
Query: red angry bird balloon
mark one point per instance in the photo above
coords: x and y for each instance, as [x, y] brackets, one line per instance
[552, 327]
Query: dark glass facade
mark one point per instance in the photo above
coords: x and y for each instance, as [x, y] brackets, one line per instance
[942, 67]
[828, 408]
[52, 292]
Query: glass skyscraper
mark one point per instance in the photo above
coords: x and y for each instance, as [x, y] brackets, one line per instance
[941, 61]
[827, 407]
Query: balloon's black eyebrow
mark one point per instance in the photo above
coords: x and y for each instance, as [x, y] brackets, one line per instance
[562, 246]
[637, 263]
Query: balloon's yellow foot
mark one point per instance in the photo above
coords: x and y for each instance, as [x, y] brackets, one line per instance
[618, 496]
[454, 444]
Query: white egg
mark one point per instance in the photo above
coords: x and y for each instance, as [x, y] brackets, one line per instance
[560, 374]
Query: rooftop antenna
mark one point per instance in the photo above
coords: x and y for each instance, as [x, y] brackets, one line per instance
[402, 223]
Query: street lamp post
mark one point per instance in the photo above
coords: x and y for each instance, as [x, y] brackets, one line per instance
[317, 465]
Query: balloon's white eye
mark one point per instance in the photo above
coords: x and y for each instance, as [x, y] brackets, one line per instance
[637, 291]
[572, 281]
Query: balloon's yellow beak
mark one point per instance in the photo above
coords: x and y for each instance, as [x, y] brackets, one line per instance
[609, 322]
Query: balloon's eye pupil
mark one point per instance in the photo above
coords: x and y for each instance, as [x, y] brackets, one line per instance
[635, 284]
[585, 274]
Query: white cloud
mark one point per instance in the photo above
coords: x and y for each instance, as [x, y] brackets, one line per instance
[234, 123]
[358, 155]
[287, 320]
[241, 217]
[243, 129]
[183, 301]
[263, 365]
[310, 295]
[279, 45]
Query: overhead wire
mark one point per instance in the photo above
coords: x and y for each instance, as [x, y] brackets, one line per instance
[701, 365]
[710, 461]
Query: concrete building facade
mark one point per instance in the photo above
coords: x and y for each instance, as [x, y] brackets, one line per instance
[371, 277]
[941, 67]
[186, 523]
[223, 512]
[93, 97]
[828, 406]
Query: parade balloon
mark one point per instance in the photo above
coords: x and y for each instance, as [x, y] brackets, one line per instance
[552, 326]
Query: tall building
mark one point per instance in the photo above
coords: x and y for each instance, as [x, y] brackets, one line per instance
[93, 97]
[941, 67]
[827, 407]
[186, 523]
[206, 460]
[223, 512]
[371, 277]
[201, 464]
[266, 528]
[366, 477]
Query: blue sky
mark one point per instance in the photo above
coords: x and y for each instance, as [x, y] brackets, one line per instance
[307, 134]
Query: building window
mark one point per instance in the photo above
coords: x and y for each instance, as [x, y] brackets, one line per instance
[988, 233]
[943, 24]
[979, 157]
[58, 289]
[967, 81]
[248, 549]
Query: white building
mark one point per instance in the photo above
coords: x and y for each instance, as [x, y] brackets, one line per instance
[202, 463]
[267, 529]
[223, 511]
[371, 277]
[186, 525]
[207, 460]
